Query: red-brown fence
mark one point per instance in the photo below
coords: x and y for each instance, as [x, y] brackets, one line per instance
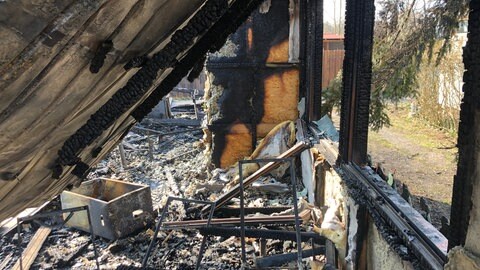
[332, 63]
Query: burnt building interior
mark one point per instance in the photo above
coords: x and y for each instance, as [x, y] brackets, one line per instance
[78, 76]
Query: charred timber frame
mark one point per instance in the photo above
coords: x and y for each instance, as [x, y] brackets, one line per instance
[468, 139]
[398, 223]
[311, 56]
[355, 103]
[357, 77]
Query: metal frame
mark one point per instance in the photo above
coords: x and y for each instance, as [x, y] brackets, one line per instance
[159, 223]
[299, 147]
[295, 205]
[54, 213]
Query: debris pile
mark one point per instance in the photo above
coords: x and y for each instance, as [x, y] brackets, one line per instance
[170, 158]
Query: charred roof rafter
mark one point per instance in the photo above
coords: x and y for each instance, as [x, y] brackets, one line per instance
[209, 23]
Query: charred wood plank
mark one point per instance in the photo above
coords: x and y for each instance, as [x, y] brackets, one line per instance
[354, 116]
[31, 252]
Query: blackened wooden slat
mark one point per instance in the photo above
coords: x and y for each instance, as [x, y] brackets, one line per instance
[357, 76]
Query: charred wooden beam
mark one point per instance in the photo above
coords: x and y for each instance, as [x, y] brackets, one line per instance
[313, 58]
[100, 55]
[468, 136]
[357, 76]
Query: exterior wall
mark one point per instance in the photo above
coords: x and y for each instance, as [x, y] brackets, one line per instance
[379, 253]
[331, 192]
[252, 84]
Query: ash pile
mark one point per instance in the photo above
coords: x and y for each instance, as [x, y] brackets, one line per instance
[170, 157]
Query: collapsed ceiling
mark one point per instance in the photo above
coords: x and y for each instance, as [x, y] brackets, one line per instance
[76, 75]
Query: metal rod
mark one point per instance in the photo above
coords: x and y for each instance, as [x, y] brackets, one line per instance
[122, 156]
[262, 234]
[295, 206]
[263, 247]
[331, 253]
[157, 228]
[242, 216]
[295, 209]
[52, 213]
[287, 219]
[160, 221]
[195, 105]
[150, 146]
[294, 150]
[280, 259]
[19, 244]
[204, 241]
[235, 211]
[92, 235]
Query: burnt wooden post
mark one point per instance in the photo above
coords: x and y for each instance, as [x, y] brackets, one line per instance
[468, 136]
[357, 77]
[123, 159]
[312, 54]
[253, 81]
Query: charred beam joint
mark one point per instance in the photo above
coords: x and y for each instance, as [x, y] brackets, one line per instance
[99, 58]
[136, 62]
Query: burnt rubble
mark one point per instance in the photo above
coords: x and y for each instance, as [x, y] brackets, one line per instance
[176, 167]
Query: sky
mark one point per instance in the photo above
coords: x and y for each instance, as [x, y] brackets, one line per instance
[333, 9]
